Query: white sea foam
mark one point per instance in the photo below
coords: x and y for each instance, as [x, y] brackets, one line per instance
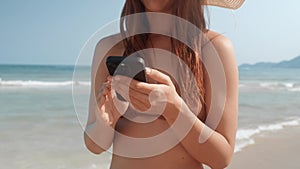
[245, 137]
[93, 166]
[294, 89]
[288, 86]
[31, 83]
[241, 85]
[275, 85]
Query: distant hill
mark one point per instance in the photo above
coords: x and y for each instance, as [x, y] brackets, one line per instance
[293, 63]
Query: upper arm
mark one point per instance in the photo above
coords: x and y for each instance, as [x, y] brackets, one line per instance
[228, 122]
[105, 47]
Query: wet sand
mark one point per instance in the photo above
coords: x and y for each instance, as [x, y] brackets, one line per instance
[275, 150]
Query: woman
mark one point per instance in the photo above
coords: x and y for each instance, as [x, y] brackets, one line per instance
[216, 151]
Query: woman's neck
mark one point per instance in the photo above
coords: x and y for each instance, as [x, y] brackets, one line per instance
[160, 23]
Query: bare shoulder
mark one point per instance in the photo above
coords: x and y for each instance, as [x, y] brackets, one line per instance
[221, 43]
[224, 48]
[108, 46]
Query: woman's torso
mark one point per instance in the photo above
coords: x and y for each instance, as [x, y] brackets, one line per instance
[174, 158]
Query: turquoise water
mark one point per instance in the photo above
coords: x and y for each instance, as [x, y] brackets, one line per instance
[40, 129]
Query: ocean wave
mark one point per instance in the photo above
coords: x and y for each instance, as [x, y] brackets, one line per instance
[251, 106]
[32, 83]
[245, 137]
[288, 86]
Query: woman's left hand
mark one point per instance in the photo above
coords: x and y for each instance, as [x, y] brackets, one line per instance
[143, 95]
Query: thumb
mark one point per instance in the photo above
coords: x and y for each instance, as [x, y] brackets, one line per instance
[158, 76]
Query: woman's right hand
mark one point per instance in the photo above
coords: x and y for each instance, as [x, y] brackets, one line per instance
[106, 101]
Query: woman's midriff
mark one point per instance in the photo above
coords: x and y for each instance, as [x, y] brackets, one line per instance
[157, 153]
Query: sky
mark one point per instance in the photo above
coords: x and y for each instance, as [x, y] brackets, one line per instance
[53, 32]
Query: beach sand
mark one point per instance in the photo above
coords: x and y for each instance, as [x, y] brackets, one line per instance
[276, 150]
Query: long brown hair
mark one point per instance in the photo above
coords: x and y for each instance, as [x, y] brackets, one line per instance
[190, 10]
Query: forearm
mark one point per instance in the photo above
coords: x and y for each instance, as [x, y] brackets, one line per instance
[98, 136]
[216, 151]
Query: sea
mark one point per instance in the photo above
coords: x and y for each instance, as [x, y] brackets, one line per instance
[43, 109]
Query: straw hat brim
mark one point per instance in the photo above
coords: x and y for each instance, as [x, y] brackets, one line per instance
[231, 4]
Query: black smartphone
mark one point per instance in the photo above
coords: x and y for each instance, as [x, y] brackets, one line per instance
[131, 66]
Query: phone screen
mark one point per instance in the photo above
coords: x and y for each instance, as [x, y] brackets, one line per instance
[131, 66]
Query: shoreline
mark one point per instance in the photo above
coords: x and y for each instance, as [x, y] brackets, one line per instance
[276, 150]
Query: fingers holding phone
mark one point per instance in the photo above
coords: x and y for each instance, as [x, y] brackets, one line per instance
[102, 92]
[110, 110]
[131, 66]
